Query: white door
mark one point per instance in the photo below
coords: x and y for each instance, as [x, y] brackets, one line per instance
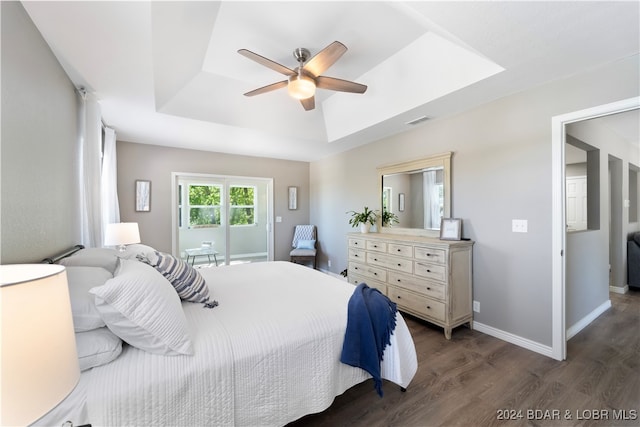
[576, 203]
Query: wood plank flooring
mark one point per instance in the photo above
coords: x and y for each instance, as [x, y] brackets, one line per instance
[475, 380]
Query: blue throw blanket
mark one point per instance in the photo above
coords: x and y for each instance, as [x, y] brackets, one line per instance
[371, 321]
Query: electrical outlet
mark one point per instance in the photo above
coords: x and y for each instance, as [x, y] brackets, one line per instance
[519, 225]
[476, 306]
[329, 263]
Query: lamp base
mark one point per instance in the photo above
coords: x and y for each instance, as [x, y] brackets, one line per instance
[122, 248]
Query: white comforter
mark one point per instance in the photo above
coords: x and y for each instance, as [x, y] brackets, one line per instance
[267, 355]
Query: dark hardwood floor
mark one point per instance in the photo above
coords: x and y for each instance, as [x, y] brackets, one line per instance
[478, 380]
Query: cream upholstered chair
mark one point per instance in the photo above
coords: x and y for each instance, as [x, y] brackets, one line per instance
[304, 245]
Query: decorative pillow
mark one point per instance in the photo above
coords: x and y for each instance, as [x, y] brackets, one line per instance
[93, 257]
[97, 347]
[138, 249]
[306, 244]
[141, 307]
[187, 281]
[83, 307]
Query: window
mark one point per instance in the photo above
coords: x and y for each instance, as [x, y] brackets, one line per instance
[205, 205]
[242, 205]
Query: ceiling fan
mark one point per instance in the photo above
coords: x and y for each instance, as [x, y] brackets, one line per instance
[305, 78]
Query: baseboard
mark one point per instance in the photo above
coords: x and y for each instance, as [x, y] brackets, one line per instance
[619, 289]
[585, 321]
[514, 339]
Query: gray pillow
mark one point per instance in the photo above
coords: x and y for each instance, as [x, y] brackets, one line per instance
[83, 308]
[93, 257]
[97, 347]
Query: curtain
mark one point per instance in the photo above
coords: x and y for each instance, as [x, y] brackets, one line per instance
[108, 180]
[431, 200]
[97, 174]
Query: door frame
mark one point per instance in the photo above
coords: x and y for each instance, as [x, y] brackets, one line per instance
[558, 232]
[175, 176]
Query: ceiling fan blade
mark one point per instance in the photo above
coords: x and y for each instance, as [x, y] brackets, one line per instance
[267, 88]
[267, 62]
[309, 103]
[340, 85]
[325, 58]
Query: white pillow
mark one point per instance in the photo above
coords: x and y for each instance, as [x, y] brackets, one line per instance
[93, 257]
[141, 307]
[83, 307]
[97, 347]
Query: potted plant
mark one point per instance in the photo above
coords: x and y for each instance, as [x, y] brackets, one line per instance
[389, 218]
[364, 219]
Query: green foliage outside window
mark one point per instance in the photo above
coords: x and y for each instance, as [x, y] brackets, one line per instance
[204, 202]
[242, 211]
[205, 205]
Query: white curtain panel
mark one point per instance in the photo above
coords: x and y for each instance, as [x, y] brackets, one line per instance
[90, 169]
[109, 181]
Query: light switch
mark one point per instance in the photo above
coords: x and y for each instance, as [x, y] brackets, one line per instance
[519, 225]
[278, 219]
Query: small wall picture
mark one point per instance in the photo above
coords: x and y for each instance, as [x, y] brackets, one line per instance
[143, 196]
[450, 229]
[293, 198]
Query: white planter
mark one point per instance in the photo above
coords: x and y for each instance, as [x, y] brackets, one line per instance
[364, 227]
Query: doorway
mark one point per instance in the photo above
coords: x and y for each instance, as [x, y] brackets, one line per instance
[222, 220]
[559, 240]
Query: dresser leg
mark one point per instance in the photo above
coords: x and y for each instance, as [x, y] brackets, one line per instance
[447, 333]
[471, 324]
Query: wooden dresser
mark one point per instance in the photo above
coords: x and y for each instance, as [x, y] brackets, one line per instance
[426, 277]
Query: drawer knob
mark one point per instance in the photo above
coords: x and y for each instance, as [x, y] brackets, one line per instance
[428, 288]
[399, 250]
[399, 297]
[428, 271]
[398, 280]
[428, 307]
[399, 265]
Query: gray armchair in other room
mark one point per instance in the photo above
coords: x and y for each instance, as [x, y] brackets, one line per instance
[304, 245]
[633, 260]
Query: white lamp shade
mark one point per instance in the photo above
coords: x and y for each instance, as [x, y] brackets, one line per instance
[122, 233]
[39, 365]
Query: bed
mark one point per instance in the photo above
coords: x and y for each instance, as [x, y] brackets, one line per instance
[266, 353]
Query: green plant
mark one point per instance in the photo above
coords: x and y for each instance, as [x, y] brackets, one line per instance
[363, 217]
[389, 218]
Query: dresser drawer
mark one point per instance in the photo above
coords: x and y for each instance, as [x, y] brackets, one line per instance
[417, 284]
[386, 261]
[357, 243]
[368, 271]
[431, 271]
[400, 250]
[355, 279]
[357, 254]
[376, 246]
[417, 303]
[430, 254]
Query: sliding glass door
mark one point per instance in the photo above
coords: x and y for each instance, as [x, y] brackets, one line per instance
[222, 219]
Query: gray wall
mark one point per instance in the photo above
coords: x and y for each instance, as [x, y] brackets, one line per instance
[39, 145]
[156, 163]
[501, 170]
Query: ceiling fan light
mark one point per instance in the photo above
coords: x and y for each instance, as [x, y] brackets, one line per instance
[301, 87]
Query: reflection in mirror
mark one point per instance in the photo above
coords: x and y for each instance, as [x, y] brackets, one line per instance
[415, 195]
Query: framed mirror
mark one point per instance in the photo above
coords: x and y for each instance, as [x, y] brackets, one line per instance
[415, 195]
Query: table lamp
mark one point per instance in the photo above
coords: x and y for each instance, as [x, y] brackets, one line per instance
[121, 234]
[39, 363]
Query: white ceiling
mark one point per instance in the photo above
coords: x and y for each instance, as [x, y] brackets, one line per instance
[168, 73]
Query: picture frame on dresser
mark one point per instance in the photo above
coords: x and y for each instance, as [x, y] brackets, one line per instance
[450, 229]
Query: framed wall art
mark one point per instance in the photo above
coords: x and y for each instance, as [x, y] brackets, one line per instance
[143, 196]
[293, 198]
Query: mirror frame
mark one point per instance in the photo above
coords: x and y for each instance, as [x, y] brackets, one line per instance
[444, 160]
